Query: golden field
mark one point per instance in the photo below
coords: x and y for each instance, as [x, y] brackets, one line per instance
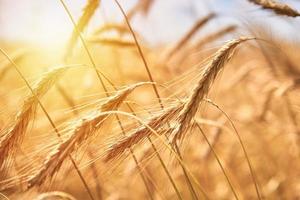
[209, 115]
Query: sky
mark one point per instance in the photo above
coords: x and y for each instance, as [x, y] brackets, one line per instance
[45, 22]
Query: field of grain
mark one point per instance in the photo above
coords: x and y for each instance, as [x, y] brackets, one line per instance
[210, 113]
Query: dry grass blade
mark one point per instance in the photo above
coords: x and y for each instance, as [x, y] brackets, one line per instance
[84, 19]
[277, 7]
[156, 122]
[85, 128]
[198, 25]
[112, 42]
[202, 88]
[216, 137]
[15, 134]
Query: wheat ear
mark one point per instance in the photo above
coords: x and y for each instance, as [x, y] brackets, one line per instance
[86, 128]
[277, 7]
[202, 87]
[88, 12]
[15, 134]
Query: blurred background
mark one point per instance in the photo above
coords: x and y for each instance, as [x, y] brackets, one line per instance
[45, 22]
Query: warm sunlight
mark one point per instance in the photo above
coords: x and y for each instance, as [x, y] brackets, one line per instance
[149, 99]
[42, 22]
[45, 22]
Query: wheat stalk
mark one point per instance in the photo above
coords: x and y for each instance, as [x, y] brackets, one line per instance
[15, 134]
[88, 12]
[86, 128]
[277, 7]
[202, 87]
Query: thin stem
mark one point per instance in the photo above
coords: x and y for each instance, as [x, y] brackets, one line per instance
[67, 99]
[135, 160]
[218, 160]
[140, 52]
[160, 159]
[84, 44]
[95, 173]
[243, 148]
[165, 169]
[82, 178]
[190, 185]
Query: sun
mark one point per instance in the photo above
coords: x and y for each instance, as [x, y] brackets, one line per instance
[42, 22]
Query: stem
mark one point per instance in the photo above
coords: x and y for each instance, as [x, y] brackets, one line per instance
[243, 148]
[141, 53]
[83, 43]
[218, 160]
[165, 169]
[160, 160]
[190, 185]
[135, 160]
